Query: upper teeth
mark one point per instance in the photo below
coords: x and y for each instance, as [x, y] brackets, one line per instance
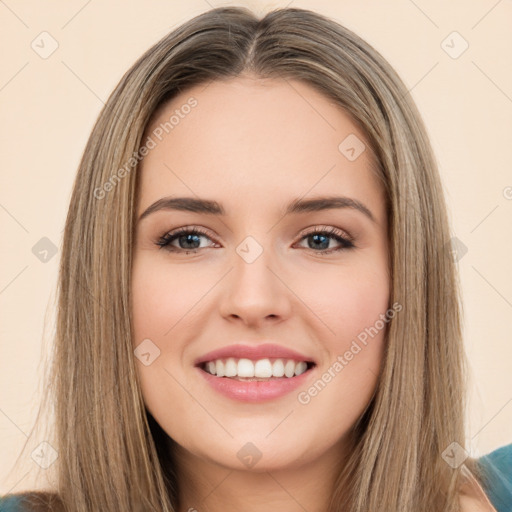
[263, 368]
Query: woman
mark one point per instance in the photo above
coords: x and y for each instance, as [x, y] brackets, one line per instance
[262, 367]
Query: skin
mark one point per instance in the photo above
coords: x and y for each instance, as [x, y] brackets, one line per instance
[254, 145]
[475, 503]
[472, 497]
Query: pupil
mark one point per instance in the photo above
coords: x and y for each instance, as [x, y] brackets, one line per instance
[316, 237]
[187, 240]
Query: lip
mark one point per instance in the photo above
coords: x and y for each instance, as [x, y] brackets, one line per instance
[255, 391]
[254, 352]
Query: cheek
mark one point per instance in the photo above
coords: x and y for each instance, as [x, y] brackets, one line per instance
[353, 309]
[350, 302]
[355, 306]
[162, 311]
[161, 298]
[157, 305]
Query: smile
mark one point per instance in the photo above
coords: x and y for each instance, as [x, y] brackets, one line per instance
[249, 381]
[264, 369]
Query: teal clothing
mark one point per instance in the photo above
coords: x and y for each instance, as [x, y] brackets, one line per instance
[9, 504]
[497, 484]
[497, 468]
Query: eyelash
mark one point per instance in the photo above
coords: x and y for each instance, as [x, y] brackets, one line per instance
[347, 242]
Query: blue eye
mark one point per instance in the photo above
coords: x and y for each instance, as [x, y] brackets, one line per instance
[184, 236]
[321, 238]
[189, 240]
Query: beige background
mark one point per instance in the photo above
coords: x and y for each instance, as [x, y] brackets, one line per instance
[48, 107]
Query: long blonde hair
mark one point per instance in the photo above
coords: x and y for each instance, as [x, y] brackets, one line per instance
[112, 454]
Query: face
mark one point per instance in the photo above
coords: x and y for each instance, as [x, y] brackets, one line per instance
[260, 288]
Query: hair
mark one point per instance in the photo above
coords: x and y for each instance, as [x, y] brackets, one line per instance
[112, 453]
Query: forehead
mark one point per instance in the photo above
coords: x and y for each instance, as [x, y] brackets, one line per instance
[255, 138]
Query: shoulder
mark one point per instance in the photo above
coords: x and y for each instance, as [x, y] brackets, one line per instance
[469, 504]
[12, 502]
[33, 501]
[9, 503]
[496, 477]
[488, 484]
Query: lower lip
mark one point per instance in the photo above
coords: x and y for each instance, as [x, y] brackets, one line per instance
[254, 391]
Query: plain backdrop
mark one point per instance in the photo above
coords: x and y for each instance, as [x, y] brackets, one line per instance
[455, 58]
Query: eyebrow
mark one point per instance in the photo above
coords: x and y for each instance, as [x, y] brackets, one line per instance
[209, 207]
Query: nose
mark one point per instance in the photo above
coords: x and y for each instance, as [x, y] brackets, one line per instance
[255, 292]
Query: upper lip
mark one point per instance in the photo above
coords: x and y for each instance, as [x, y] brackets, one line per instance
[253, 352]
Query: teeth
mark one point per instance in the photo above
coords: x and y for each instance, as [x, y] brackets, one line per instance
[245, 368]
[301, 368]
[230, 368]
[289, 368]
[278, 368]
[263, 368]
[219, 368]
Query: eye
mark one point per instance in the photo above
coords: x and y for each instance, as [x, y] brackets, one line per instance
[321, 237]
[189, 240]
[186, 236]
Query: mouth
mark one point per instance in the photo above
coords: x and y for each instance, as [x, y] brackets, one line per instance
[261, 370]
[254, 381]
